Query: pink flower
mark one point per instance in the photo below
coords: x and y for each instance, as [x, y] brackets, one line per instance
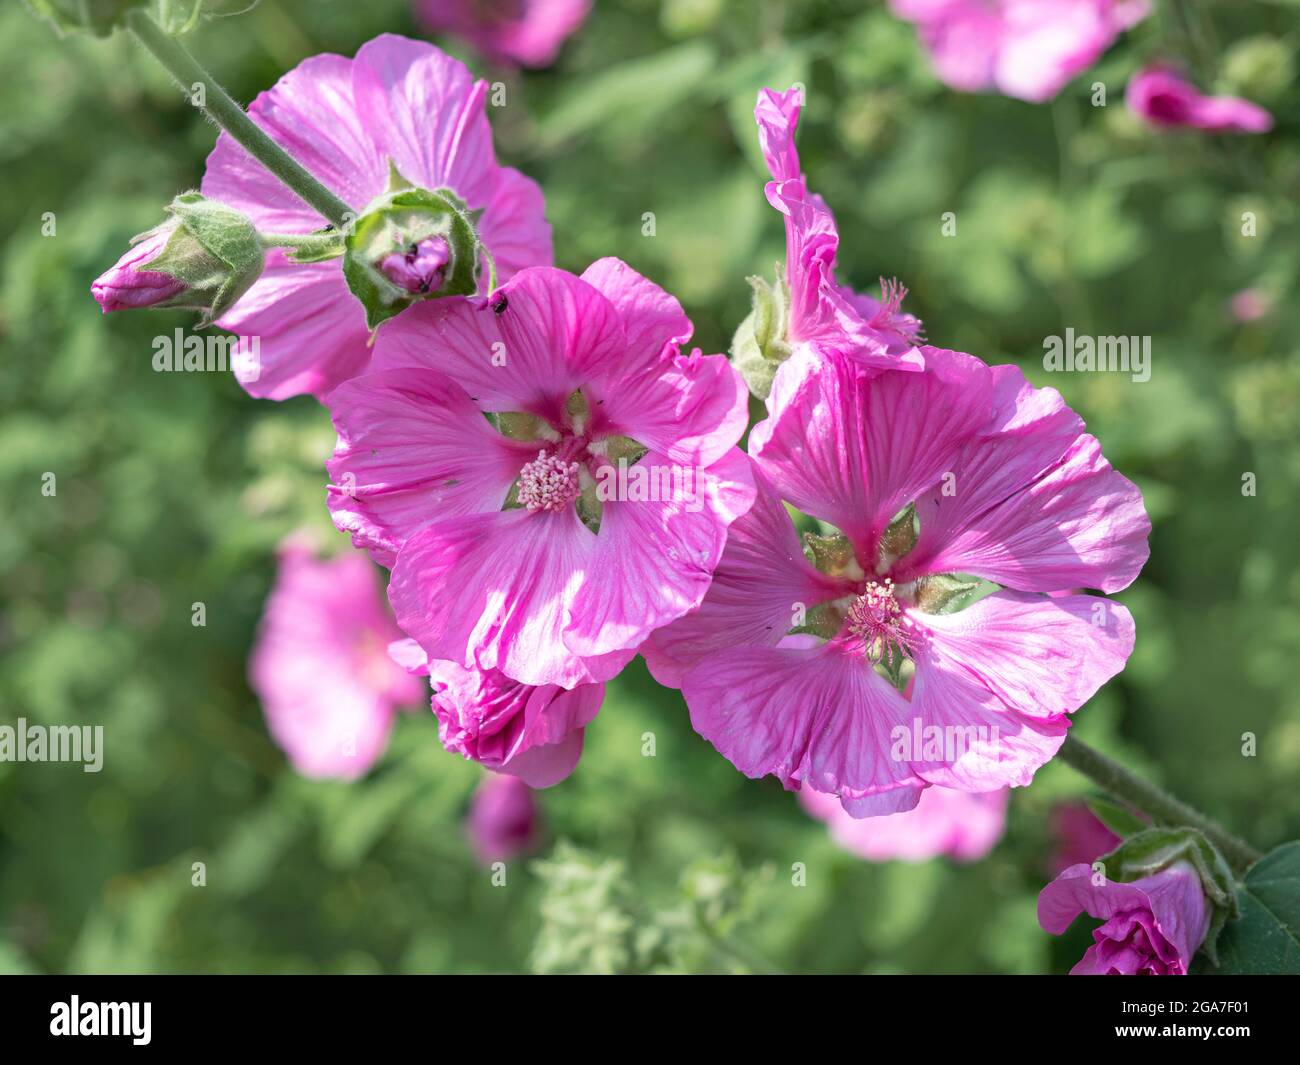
[1152, 926]
[526, 33]
[823, 314]
[126, 286]
[960, 824]
[515, 547]
[1028, 49]
[401, 104]
[1080, 837]
[1163, 97]
[1250, 305]
[320, 664]
[503, 819]
[534, 733]
[781, 666]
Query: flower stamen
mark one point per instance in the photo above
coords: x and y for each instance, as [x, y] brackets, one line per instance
[548, 483]
[877, 619]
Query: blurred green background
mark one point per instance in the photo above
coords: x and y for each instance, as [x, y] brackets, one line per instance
[174, 489]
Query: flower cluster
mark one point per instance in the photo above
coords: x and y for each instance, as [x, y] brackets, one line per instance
[892, 603]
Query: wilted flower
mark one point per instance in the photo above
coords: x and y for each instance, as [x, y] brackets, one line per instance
[793, 665]
[400, 117]
[962, 825]
[503, 819]
[1024, 48]
[807, 307]
[1161, 96]
[1152, 926]
[320, 664]
[526, 33]
[506, 552]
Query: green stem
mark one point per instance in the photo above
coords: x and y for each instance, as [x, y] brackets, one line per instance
[1159, 804]
[313, 243]
[223, 110]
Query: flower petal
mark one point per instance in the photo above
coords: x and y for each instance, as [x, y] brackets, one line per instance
[543, 334]
[809, 716]
[1041, 657]
[496, 590]
[654, 558]
[311, 113]
[413, 447]
[432, 113]
[854, 449]
[761, 582]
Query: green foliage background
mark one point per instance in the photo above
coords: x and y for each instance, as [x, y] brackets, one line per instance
[174, 489]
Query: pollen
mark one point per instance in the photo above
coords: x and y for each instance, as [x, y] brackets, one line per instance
[877, 619]
[548, 483]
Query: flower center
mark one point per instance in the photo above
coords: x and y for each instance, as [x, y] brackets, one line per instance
[877, 619]
[548, 483]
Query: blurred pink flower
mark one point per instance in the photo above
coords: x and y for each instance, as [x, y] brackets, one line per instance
[1250, 305]
[320, 663]
[526, 33]
[1163, 97]
[1079, 837]
[503, 820]
[962, 825]
[1028, 49]
[399, 103]
[125, 286]
[1152, 926]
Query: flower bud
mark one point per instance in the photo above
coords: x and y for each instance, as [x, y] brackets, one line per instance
[760, 344]
[203, 258]
[411, 244]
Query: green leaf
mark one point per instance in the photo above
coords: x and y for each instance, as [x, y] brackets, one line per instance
[1266, 938]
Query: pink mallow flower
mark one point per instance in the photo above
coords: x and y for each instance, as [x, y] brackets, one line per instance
[537, 543]
[526, 33]
[1079, 835]
[1152, 926]
[959, 824]
[125, 286]
[534, 733]
[503, 820]
[1162, 97]
[1028, 49]
[320, 664]
[784, 664]
[823, 314]
[399, 104]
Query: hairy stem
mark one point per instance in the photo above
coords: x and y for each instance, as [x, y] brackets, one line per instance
[223, 110]
[1159, 804]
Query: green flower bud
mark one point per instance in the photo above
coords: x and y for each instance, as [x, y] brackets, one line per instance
[759, 345]
[411, 244]
[203, 259]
